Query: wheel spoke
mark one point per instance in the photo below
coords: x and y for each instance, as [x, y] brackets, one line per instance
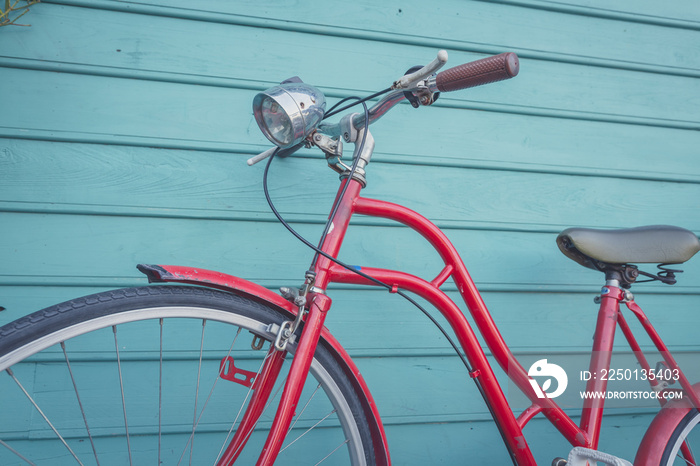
[331, 453]
[686, 461]
[312, 427]
[196, 391]
[688, 456]
[16, 453]
[77, 396]
[121, 388]
[304, 409]
[211, 391]
[31, 400]
[309, 430]
[160, 390]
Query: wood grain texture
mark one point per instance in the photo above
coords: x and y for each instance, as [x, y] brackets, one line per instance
[681, 14]
[147, 182]
[125, 136]
[462, 25]
[146, 44]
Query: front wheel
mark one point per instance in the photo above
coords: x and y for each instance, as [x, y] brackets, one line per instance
[135, 376]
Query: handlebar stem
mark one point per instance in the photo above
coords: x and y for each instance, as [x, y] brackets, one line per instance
[364, 146]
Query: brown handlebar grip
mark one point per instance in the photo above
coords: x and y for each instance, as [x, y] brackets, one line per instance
[484, 71]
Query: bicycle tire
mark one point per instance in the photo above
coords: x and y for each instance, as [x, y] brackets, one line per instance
[32, 346]
[687, 430]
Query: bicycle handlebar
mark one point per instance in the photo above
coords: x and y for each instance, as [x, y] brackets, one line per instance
[484, 71]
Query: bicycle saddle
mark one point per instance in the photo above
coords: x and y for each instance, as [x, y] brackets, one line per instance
[659, 244]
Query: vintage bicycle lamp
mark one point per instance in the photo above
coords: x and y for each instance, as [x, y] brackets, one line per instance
[289, 112]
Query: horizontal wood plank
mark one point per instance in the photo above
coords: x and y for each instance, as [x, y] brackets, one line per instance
[457, 138]
[110, 180]
[530, 321]
[121, 242]
[680, 14]
[470, 26]
[146, 44]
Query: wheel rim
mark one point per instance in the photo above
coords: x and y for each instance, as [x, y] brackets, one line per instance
[690, 436]
[352, 443]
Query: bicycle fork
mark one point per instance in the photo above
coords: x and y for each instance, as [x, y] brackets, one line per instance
[262, 387]
[264, 383]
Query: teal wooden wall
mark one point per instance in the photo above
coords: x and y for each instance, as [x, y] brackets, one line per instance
[125, 128]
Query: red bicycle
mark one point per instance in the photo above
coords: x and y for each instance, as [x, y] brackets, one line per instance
[262, 378]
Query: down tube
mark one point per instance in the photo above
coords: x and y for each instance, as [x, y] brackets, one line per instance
[487, 327]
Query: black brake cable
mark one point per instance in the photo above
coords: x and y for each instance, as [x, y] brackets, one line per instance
[360, 273]
[339, 262]
[361, 147]
[331, 111]
[328, 114]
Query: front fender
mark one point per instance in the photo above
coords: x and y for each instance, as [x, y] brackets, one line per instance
[245, 288]
[218, 280]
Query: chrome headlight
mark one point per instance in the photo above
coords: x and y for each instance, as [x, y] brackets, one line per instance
[287, 113]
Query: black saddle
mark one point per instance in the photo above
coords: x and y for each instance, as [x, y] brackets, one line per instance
[655, 244]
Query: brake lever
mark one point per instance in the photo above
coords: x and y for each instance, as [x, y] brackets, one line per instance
[411, 80]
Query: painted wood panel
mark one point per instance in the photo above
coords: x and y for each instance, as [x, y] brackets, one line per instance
[683, 14]
[144, 43]
[122, 180]
[482, 26]
[125, 137]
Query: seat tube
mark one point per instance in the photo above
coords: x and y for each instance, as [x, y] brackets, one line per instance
[592, 415]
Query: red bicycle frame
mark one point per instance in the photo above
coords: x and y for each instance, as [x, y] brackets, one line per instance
[585, 435]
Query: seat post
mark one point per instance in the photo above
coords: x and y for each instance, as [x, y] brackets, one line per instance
[620, 276]
[613, 277]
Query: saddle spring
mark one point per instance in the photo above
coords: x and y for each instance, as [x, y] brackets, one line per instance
[666, 275]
